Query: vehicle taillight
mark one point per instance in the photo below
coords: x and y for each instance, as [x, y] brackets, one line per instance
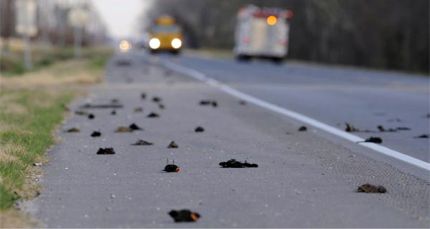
[290, 14]
[271, 20]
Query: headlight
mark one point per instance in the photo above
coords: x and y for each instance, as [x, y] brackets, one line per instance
[176, 43]
[124, 46]
[154, 43]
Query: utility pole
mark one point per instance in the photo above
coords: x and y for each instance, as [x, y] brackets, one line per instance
[77, 33]
[26, 26]
[28, 63]
[78, 17]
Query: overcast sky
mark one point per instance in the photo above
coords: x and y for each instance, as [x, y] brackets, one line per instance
[120, 15]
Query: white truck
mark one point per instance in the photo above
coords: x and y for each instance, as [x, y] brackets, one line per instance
[262, 33]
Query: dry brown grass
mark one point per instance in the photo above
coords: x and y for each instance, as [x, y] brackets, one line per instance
[68, 73]
[14, 219]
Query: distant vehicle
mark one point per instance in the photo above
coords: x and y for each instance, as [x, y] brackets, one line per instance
[124, 46]
[262, 32]
[165, 35]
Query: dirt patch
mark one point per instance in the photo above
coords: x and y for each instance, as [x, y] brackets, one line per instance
[13, 218]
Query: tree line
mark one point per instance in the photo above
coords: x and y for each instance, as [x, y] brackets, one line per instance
[386, 34]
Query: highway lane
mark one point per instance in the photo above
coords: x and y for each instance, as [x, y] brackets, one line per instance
[335, 95]
[302, 180]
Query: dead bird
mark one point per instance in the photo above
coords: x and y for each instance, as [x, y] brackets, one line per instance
[143, 95]
[172, 145]
[113, 112]
[199, 129]
[141, 142]
[96, 134]
[81, 113]
[184, 215]
[134, 127]
[350, 128]
[171, 168]
[369, 188]
[153, 115]
[123, 129]
[205, 102]
[376, 140]
[91, 116]
[73, 130]
[138, 109]
[102, 106]
[382, 129]
[232, 163]
[105, 151]
[403, 128]
[303, 128]
[213, 103]
[156, 99]
[422, 136]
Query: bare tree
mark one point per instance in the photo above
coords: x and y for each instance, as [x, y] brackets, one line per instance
[391, 34]
[7, 21]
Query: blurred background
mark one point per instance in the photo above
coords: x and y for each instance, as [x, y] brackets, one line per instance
[381, 34]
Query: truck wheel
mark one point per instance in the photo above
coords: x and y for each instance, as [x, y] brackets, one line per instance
[277, 60]
[243, 58]
[175, 52]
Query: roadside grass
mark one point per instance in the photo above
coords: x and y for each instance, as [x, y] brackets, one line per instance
[11, 62]
[32, 105]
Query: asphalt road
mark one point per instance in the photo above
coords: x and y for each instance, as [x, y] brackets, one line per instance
[303, 179]
[334, 96]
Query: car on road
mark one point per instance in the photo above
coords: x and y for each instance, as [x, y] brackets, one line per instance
[165, 36]
[124, 45]
[262, 33]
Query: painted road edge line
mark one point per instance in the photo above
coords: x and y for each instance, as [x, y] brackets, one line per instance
[300, 117]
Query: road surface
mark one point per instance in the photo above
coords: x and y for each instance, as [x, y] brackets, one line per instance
[334, 96]
[304, 179]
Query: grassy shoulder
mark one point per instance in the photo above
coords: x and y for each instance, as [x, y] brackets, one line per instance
[32, 105]
[42, 55]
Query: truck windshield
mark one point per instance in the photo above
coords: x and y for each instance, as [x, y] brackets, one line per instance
[165, 29]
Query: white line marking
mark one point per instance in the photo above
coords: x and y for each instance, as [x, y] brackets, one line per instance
[310, 121]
